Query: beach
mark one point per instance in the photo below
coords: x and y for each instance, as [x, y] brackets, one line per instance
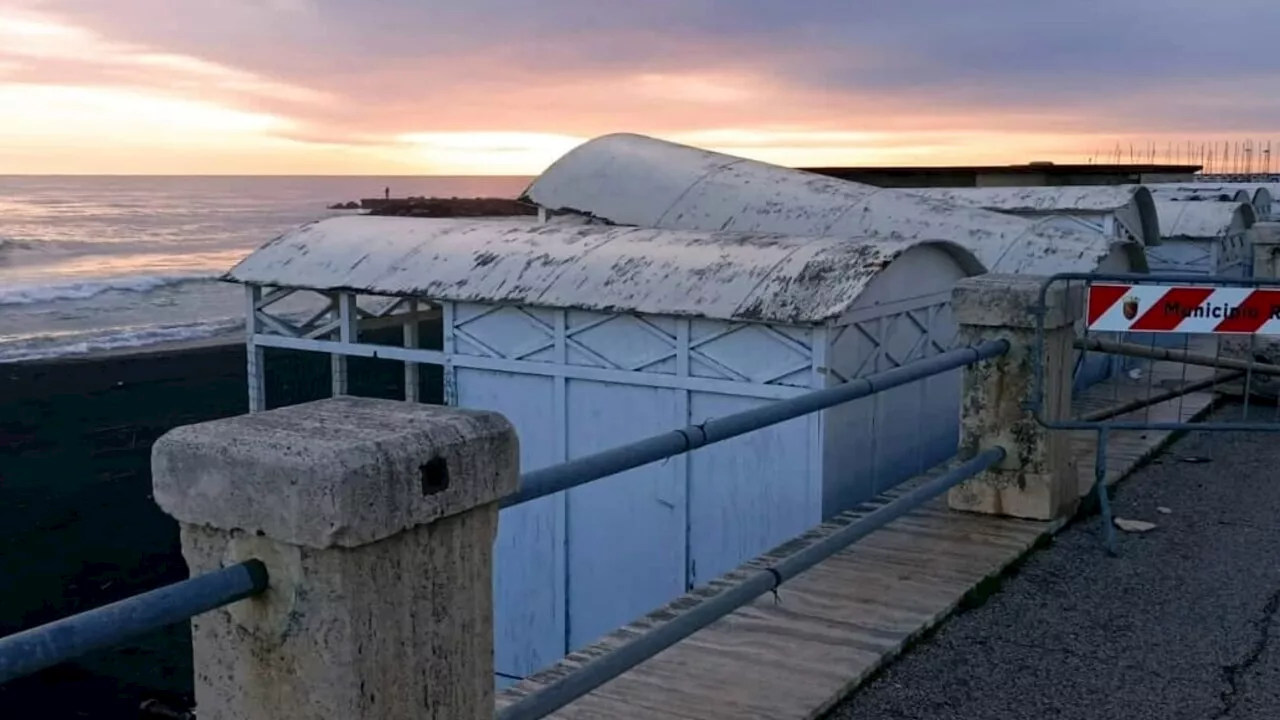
[113, 330]
[79, 527]
[89, 264]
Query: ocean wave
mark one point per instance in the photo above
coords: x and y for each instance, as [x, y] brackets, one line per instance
[175, 242]
[84, 289]
[64, 247]
[45, 347]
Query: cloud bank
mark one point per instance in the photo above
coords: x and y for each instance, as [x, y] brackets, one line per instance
[424, 85]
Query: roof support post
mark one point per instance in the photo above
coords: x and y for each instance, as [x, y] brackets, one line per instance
[256, 355]
[348, 332]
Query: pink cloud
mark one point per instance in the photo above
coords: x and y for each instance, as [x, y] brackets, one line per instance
[913, 80]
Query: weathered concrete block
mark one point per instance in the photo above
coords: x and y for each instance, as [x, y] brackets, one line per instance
[376, 521]
[1010, 301]
[1037, 479]
[338, 472]
[1264, 237]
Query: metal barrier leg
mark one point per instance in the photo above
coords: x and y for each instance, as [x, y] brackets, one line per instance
[1104, 498]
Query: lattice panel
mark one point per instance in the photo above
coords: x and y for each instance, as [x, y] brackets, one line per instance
[889, 341]
[736, 352]
[505, 332]
[621, 342]
[1182, 257]
[760, 354]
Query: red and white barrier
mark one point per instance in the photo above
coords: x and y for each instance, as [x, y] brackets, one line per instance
[1183, 309]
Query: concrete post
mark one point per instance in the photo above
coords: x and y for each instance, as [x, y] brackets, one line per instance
[1037, 479]
[376, 520]
[1265, 239]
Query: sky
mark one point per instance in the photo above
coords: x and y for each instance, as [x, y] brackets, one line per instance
[488, 87]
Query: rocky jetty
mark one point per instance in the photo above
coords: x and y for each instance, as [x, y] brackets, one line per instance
[440, 207]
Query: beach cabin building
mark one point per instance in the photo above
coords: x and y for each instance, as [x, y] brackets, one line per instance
[1192, 192]
[1203, 238]
[1262, 202]
[1124, 213]
[1259, 194]
[588, 337]
[628, 179]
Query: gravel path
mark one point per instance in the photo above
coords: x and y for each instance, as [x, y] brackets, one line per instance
[1183, 624]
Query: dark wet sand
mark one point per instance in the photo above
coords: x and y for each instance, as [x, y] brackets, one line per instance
[78, 528]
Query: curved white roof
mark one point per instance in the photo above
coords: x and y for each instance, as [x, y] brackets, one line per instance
[1194, 191]
[1190, 219]
[1132, 205]
[1263, 201]
[721, 275]
[1261, 195]
[630, 179]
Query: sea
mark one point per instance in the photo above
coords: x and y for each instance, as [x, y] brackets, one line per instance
[102, 263]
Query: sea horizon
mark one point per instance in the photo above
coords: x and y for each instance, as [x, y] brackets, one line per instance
[92, 263]
[251, 175]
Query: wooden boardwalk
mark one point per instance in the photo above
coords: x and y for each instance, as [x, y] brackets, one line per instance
[1126, 449]
[833, 626]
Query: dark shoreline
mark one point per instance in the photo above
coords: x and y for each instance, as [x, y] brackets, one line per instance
[78, 528]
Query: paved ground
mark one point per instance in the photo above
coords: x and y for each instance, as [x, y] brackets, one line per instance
[1182, 625]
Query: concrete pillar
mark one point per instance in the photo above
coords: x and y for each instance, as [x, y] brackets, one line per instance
[376, 520]
[1265, 239]
[1037, 479]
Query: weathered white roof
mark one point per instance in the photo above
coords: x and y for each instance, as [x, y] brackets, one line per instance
[1132, 205]
[1191, 219]
[722, 275]
[630, 179]
[1262, 195]
[1194, 191]
[1263, 201]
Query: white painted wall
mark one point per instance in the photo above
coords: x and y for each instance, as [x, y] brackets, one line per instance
[573, 567]
[874, 443]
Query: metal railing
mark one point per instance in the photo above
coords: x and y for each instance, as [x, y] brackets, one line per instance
[47, 645]
[1245, 366]
[1219, 363]
[44, 646]
[557, 478]
[557, 694]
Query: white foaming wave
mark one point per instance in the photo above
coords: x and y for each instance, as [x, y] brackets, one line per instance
[46, 347]
[84, 289]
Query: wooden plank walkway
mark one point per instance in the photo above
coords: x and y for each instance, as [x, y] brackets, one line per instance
[833, 626]
[1126, 449]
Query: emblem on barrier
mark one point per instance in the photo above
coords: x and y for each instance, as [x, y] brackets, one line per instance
[1130, 307]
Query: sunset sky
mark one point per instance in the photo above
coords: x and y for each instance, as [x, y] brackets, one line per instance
[506, 86]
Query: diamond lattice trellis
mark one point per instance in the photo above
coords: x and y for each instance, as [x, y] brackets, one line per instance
[736, 352]
[889, 341]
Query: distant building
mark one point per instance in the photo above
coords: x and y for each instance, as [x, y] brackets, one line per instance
[1268, 178]
[1032, 174]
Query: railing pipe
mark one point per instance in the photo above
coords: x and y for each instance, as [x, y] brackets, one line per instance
[557, 694]
[1143, 403]
[556, 478]
[1174, 355]
[43, 647]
